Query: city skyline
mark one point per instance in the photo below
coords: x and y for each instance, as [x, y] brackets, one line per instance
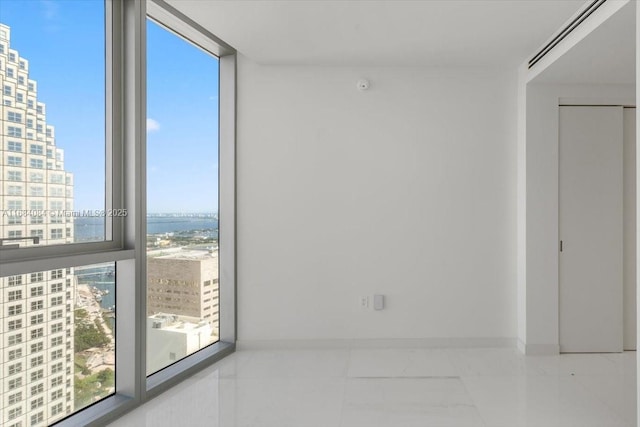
[43, 32]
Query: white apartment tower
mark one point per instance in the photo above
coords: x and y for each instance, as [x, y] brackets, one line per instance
[37, 328]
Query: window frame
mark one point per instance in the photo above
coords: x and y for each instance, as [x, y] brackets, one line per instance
[115, 246]
[15, 234]
[35, 148]
[14, 117]
[35, 164]
[182, 26]
[14, 131]
[174, 21]
[14, 146]
[14, 174]
[15, 161]
[126, 189]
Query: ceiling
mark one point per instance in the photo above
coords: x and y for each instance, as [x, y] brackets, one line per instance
[437, 33]
[606, 56]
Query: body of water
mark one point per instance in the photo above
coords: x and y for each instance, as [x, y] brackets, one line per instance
[161, 225]
[91, 229]
[101, 277]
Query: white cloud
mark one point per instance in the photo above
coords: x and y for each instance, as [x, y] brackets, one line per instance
[152, 125]
[50, 9]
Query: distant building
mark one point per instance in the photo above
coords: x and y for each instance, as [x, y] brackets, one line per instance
[184, 283]
[171, 338]
[37, 322]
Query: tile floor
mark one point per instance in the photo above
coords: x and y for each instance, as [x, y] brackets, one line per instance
[400, 388]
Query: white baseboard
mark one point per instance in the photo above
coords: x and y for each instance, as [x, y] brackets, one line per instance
[538, 349]
[377, 343]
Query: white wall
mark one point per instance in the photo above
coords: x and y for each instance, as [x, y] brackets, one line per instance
[407, 189]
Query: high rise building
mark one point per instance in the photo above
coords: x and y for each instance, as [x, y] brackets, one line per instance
[36, 193]
[185, 283]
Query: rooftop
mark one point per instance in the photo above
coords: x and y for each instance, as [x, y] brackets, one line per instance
[184, 254]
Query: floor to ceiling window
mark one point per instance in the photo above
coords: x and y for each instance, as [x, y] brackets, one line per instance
[114, 260]
[58, 335]
[182, 198]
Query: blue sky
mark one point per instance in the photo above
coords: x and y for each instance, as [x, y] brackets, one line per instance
[63, 41]
[182, 136]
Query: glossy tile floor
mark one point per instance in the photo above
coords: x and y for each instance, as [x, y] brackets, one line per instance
[400, 387]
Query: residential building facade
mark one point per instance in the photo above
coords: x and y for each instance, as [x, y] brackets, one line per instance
[36, 198]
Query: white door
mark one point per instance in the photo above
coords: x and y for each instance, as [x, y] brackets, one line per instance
[591, 224]
[629, 228]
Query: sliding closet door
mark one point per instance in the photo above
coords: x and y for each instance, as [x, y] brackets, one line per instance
[591, 229]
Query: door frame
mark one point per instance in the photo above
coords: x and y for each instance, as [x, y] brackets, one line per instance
[538, 235]
[561, 237]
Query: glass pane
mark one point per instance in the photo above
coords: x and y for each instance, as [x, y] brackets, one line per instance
[58, 342]
[52, 122]
[182, 200]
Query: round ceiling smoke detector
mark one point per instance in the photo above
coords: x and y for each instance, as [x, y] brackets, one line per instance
[363, 84]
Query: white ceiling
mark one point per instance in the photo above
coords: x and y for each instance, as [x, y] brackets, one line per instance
[440, 33]
[606, 56]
